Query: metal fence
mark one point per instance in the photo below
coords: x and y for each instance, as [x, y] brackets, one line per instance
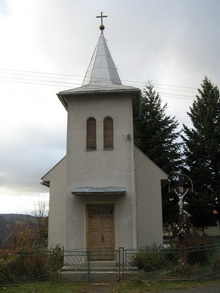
[172, 263]
[25, 266]
[90, 266]
[151, 263]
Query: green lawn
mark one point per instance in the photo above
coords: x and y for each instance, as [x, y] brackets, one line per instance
[42, 288]
[122, 287]
[155, 286]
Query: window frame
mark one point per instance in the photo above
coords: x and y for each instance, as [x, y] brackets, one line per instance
[91, 134]
[108, 133]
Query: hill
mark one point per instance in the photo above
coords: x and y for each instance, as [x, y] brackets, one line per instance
[10, 222]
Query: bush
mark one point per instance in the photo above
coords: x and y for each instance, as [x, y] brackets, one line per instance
[7, 269]
[198, 249]
[150, 259]
[205, 255]
[34, 265]
[24, 266]
[197, 255]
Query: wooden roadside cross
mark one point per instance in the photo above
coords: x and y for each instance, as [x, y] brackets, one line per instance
[181, 191]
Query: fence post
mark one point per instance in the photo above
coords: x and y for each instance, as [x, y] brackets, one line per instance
[88, 265]
[182, 260]
[121, 263]
[54, 265]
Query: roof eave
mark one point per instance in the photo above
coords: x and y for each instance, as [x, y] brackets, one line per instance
[45, 183]
[99, 191]
[82, 92]
[90, 90]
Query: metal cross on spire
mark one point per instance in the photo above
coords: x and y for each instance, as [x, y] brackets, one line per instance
[102, 27]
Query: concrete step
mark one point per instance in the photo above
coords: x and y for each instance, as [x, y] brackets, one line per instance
[97, 266]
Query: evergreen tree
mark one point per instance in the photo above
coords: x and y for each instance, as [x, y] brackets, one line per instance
[202, 155]
[156, 134]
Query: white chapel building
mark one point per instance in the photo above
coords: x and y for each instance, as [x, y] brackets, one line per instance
[105, 193]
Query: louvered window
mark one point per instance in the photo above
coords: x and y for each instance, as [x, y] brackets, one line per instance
[91, 134]
[108, 133]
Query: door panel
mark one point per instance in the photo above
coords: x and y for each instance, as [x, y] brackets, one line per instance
[101, 234]
[107, 232]
[95, 233]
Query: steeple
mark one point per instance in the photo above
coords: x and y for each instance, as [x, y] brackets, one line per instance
[101, 75]
[102, 70]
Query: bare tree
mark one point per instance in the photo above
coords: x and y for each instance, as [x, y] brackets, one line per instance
[39, 220]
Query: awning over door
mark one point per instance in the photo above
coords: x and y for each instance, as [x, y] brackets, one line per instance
[99, 190]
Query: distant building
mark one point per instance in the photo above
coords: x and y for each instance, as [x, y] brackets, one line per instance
[105, 193]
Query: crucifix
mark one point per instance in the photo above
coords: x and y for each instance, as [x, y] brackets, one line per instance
[180, 191]
[102, 27]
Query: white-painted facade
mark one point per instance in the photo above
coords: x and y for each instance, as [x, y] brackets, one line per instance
[137, 211]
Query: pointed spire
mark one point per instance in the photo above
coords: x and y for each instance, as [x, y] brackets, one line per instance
[102, 70]
[101, 75]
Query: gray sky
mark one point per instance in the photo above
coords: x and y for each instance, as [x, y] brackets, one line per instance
[46, 46]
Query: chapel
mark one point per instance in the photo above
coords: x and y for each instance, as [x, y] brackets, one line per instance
[105, 193]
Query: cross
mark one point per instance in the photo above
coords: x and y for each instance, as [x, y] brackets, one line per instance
[102, 27]
[180, 191]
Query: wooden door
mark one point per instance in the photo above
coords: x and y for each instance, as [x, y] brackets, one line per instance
[101, 231]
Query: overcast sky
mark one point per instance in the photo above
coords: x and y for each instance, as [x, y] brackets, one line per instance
[46, 46]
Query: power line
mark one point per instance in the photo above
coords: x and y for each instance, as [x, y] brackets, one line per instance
[38, 78]
[37, 72]
[60, 75]
[174, 96]
[39, 82]
[162, 85]
[70, 80]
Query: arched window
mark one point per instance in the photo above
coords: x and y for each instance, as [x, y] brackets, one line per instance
[108, 133]
[91, 134]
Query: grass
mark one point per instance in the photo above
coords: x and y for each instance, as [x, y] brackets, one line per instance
[122, 287]
[43, 288]
[157, 286]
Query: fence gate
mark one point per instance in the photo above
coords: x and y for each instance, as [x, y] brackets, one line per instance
[88, 266]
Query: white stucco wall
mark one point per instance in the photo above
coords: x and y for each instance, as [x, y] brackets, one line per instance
[149, 200]
[57, 221]
[138, 219]
[100, 168]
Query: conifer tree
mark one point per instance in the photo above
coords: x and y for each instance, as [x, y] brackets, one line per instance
[156, 136]
[202, 155]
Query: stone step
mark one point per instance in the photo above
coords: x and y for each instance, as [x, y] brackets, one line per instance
[97, 266]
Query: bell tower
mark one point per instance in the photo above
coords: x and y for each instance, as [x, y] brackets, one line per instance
[100, 149]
